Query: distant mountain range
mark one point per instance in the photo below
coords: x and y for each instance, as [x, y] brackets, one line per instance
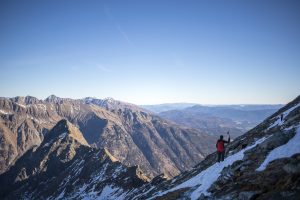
[158, 108]
[131, 134]
[215, 120]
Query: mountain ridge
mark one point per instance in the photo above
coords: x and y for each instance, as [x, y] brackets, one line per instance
[62, 165]
[131, 134]
[214, 119]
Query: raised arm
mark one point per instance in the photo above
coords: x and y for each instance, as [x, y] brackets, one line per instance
[228, 137]
[227, 140]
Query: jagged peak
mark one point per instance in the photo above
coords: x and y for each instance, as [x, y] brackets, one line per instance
[89, 99]
[107, 103]
[53, 99]
[18, 100]
[52, 96]
[65, 129]
[31, 100]
[109, 99]
[95, 99]
[110, 103]
[23, 101]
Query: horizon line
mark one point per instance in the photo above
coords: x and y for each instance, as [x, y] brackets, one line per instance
[154, 104]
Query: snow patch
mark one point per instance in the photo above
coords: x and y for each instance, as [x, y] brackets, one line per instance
[61, 195]
[110, 193]
[144, 193]
[291, 127]
[117, 171]
[278, 121]
[287, 150]
[3, 112]
[63, 135]
[46, 145]
[107, 192]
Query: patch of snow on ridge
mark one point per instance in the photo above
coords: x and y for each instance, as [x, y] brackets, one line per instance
[108, 193]
[207, 177]
[62, 135]
[278, 121]
[61, 195]
[3, 112]
[287, 150]
[46, 145]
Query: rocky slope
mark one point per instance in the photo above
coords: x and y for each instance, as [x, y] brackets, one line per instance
[264, 163]
[132, 135]
[65, 166]
[19, 131]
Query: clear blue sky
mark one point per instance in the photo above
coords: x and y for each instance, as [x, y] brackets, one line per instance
[148, 52]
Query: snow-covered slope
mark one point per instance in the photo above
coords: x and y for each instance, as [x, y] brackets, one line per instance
[289, 149]
[262, 164]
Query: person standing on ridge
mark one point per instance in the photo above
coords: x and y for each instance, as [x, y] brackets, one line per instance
[221, 147]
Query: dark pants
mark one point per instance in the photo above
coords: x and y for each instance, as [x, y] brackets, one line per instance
[221, 156]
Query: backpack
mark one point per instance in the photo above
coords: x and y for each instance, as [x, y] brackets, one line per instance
[220, 146]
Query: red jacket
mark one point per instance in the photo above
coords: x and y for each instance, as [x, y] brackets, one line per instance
[221, 145]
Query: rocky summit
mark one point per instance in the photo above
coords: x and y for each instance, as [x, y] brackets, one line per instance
[131, 134]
